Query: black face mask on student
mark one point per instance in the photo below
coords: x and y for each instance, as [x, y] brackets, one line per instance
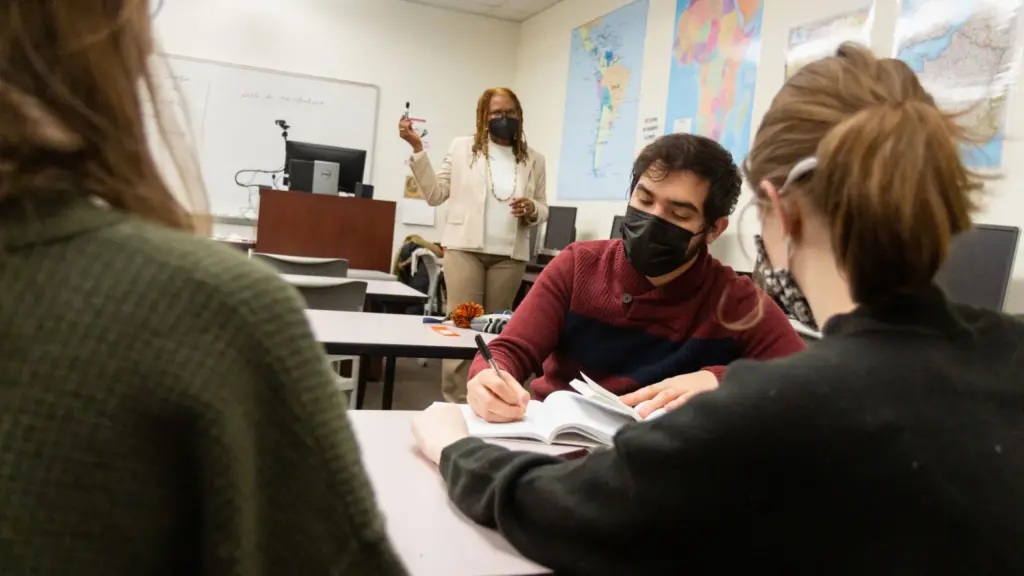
[655, 247]
[504, 128]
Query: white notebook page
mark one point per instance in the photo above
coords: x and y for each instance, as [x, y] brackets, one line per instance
[568, 408]
[534, 425]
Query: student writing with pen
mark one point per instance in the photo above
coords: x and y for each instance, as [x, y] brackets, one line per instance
[652, 317]
[892, 447]
[519, 397]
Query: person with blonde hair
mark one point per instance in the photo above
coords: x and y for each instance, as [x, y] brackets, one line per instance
[496, 189]
[164, 408]
[893, 446]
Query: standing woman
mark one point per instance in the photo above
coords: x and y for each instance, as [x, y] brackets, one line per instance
[496, 185]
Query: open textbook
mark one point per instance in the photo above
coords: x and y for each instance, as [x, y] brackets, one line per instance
[589, 418]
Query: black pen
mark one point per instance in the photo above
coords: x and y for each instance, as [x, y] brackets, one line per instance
[486, 353]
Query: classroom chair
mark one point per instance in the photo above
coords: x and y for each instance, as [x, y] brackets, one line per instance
[346, 296]
[432, 264]
[329, 267]
[435, 303]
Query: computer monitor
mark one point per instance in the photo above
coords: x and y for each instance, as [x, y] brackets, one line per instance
[617, 227]
[561, 228]
[978, 268]
[351, 163]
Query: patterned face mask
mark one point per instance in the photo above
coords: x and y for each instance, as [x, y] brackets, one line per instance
[779, 282]
[780, 285]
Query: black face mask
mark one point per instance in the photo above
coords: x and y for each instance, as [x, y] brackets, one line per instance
[655, 247]
[504, 128]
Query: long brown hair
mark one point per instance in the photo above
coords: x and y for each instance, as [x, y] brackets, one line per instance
[483, 118]
[890, 179]
[74, 83]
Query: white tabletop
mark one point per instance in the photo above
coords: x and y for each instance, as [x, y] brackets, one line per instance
[360, 274]
[389, 335]
[301, 259]
[429, 533]
[374, 288]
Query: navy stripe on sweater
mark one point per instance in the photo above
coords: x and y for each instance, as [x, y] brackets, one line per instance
[637, 354]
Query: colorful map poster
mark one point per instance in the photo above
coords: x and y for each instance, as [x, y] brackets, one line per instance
[966, 55]
[715, 52]
[820, 39]
[602, 105]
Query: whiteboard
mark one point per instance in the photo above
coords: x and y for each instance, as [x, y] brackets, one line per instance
[226, 113]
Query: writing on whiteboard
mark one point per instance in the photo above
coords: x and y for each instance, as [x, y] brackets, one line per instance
[304, 100]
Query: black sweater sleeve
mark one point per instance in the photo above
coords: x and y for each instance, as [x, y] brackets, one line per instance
[679, 482]
[536, 500]
[888, 450]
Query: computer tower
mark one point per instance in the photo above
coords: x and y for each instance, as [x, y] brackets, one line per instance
[325, 178]
[300, 175]
[316, 177]
[363, 191]
[351, 163]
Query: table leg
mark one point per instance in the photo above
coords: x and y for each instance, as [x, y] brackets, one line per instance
[364, 371]
[389, 383]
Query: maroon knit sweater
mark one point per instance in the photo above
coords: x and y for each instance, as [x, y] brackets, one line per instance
[591, 311]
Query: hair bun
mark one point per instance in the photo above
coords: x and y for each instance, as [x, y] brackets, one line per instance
[891, 182]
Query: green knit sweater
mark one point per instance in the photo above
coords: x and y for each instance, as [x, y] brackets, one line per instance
[164, 409]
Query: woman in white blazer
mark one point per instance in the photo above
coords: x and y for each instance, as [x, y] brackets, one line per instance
[496, 189]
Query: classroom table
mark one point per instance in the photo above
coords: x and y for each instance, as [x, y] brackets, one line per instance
[383, 292]
[241, 244]
[393, 336]
[430, 535]
[358, 274]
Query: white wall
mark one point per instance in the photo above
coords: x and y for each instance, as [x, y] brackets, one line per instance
[541, 84]
[438, 60]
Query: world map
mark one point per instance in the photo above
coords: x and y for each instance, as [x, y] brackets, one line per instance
[819, 39]
[602, 105]
[963, 53]
[715, 52]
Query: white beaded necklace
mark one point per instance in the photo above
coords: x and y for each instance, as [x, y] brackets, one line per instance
[490, 177]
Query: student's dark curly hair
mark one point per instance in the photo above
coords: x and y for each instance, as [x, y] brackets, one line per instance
[709, 161]
[702, 156]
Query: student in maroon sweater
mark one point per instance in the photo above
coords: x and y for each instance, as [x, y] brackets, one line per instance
[648, 317]
[894, 446]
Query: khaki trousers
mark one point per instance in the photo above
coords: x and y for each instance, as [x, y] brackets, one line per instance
[489, 280]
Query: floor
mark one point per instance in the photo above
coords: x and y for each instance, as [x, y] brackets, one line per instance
[415, 387]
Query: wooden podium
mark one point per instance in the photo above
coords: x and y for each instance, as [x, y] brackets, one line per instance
[321, 226]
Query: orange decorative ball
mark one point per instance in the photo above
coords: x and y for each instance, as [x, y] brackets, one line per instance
[464, 313]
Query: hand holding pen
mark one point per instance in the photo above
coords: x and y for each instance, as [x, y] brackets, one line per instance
[494, 394]
[407, 132]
